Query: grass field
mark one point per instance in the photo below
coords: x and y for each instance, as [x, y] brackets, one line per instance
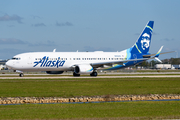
[90, 87]
[119, 110]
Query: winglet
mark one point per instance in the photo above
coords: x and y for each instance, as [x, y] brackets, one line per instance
[157, 54]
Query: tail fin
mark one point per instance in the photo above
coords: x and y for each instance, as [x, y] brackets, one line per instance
[142, 45]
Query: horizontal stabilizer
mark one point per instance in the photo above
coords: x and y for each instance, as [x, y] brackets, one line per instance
[155, 54]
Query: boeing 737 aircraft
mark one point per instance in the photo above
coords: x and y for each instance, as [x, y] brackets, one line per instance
[86, 62]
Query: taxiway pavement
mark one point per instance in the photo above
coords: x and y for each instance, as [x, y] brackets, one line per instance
[62, 77]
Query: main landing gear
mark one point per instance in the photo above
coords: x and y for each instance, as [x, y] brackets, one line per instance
[76, 75]
[92, 74]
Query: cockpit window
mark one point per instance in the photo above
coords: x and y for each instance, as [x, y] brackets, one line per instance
[15, 58]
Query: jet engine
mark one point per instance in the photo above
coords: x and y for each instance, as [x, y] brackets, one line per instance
[83, 69]
[54, 72]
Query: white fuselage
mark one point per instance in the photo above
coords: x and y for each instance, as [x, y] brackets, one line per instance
[61, 61]
[85, 62]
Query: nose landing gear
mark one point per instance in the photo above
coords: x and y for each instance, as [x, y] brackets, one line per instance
[21, 75]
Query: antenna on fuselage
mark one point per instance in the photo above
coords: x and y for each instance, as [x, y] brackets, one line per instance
[54, 50]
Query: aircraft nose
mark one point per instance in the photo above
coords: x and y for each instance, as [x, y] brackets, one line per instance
[8, 64]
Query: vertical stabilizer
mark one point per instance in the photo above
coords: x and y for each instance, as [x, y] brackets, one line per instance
[142, 44]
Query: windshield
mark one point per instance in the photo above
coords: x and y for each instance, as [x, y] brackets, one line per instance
[14, 58]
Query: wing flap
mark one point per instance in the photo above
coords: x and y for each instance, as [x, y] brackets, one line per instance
[115, 62]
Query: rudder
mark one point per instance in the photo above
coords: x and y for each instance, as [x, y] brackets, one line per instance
[142, 44]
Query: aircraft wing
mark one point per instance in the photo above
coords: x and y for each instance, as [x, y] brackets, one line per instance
[124, 61]
[116, 62]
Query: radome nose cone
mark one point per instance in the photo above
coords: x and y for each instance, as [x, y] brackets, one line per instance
[8, 64]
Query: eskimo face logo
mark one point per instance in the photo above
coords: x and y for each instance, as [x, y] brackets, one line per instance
[145, 41]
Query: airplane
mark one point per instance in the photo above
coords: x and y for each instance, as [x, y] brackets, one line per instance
[86, 62]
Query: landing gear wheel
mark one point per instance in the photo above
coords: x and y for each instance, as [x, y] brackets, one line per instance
[21, 75]
[94, 74]
[76, 75]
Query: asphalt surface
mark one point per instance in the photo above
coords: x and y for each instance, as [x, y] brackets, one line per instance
[58, 77]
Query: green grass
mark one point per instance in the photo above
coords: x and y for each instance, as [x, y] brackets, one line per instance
[87, 87]
[90, 87]
[119, 110]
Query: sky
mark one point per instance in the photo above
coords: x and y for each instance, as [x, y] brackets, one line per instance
[86, 25]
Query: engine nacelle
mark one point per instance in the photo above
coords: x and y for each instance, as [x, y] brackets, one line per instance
[54, 72]
[83, 69]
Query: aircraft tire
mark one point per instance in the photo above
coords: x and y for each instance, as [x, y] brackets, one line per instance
[94, 74]
[21, 75]
[76, 75]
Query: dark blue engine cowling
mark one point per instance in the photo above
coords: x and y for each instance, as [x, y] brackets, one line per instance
[54, 72]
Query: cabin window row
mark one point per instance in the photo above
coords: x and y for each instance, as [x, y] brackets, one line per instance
[98, 58]
[82, 59]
